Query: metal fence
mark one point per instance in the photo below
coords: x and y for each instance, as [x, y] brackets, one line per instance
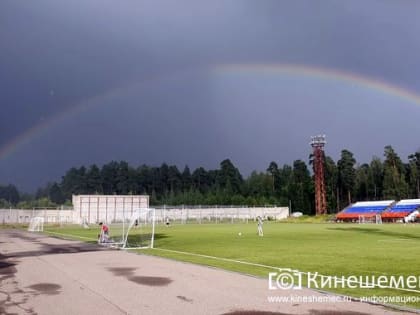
[180, 214]
[23, 216]
[216, 214]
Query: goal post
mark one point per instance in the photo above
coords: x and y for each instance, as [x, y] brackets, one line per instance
[85, 223]
[376, 219]
[133, 232]
[36, 224]
[140, 232]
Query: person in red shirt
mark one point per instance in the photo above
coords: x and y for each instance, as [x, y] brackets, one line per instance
[104, 235]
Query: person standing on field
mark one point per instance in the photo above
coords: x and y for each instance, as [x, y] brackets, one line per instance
[103, 237]
[260, 226]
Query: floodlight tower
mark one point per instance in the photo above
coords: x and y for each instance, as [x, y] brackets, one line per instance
[318, 142]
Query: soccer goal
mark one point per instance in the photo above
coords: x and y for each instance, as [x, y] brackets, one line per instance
[36, 224]
[85, 223]
[136, 231]
[140, 232]
[378, 219]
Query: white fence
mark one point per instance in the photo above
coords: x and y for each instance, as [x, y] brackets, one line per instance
[174, 214]
[23, 216]
[220, 214]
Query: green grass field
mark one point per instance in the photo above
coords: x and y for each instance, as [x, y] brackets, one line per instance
[329, 249]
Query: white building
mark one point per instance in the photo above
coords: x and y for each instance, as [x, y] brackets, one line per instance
[107, 208]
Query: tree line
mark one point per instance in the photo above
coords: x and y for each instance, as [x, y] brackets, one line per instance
[346, 181]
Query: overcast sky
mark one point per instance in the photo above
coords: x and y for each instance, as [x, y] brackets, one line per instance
[86, 82]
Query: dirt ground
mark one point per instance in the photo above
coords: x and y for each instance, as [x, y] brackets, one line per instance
[45, 275]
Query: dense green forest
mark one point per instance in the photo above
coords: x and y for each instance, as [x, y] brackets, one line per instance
[346, 181]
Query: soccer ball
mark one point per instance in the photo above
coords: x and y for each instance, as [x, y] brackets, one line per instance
[239, 233]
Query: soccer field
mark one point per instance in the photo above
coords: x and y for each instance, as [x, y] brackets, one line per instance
[327, 249]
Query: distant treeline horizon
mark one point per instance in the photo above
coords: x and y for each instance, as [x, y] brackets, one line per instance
[288, 185]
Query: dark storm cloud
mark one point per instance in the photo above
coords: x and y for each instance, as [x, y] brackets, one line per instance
[57, 54]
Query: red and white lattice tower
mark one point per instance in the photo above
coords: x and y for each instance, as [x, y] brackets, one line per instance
[318, 143]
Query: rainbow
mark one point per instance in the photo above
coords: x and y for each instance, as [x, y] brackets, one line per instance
[317, 73]
[322, 74]
[44, 124]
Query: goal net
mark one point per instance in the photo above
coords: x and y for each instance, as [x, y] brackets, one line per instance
[36, 224]
[136, 231]
[377, 219]
[85, 223]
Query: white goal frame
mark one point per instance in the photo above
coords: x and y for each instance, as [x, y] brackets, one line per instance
[377, 219]
[147, 214]
[36, 224]
[85, 223]
[140, 218]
